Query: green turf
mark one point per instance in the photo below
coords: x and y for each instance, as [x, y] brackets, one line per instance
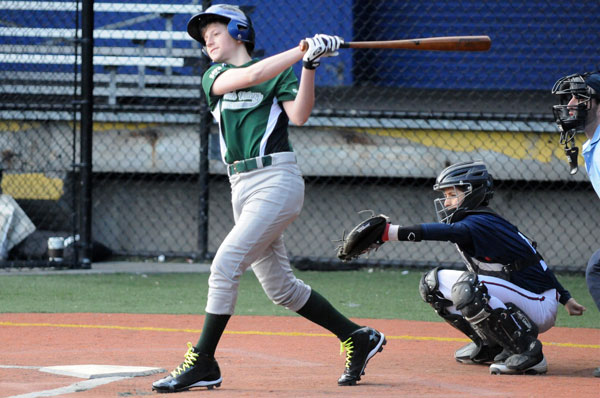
[360, 294]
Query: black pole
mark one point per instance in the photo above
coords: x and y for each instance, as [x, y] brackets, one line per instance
[75, 171]
[203, 167]
[87, 109]
[203, 182]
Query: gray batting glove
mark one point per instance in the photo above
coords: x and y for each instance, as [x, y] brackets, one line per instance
[316, 48]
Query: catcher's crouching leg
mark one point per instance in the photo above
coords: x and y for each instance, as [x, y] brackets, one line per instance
[480, 350]
[509, 327]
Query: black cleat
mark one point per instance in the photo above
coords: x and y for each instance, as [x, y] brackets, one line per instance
[530, 362]
[197, 370]
[361, 346]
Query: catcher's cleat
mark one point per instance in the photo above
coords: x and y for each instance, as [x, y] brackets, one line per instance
[361, 346]
[503, 356]
[530, 362]
[502, 369]
[197, 370]
[474, 353]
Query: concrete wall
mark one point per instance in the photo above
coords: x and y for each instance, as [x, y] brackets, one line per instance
[157, 218]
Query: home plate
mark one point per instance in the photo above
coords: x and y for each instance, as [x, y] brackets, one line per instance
[98, 371]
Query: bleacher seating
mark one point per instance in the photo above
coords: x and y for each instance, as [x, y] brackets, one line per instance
[137, 51]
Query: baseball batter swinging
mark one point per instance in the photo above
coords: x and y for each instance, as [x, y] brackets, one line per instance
[253, 101]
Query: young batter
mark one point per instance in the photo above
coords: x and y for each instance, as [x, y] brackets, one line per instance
[253, 101]
[507, 296]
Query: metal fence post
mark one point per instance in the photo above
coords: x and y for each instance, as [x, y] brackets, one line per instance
[87, 109]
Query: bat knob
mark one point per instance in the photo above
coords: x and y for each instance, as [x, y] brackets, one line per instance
[303, 45]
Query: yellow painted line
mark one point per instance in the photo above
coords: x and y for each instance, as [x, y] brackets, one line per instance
[115, 327]
[13, 127]
[543, 147]
[34, 186]
[427, 338]
[110, 126]
[260, 333]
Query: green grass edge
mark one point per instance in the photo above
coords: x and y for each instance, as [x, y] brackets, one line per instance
[364, 293]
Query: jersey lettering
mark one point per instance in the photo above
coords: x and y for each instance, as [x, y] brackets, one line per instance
[241, 100]
[216, 72]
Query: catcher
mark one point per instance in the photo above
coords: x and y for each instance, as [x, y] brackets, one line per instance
[507, 296]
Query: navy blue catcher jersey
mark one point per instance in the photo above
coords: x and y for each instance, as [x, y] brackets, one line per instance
[490, 238]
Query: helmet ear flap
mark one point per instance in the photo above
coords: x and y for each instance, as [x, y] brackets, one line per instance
[489, 191]
[242, 32]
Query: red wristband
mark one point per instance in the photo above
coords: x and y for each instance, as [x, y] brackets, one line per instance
[385, 237]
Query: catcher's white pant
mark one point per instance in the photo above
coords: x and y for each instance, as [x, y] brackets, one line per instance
[265, 201]
[541, 308]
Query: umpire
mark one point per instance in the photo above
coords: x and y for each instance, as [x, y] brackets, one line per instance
[579, 112]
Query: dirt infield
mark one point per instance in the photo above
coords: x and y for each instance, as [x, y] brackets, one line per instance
[277, 357]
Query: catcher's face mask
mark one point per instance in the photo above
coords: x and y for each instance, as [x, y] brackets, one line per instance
[452, 199]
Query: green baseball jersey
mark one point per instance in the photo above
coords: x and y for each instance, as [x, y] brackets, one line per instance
[251, 121]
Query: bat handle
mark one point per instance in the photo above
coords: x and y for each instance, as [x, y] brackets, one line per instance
[304, 45]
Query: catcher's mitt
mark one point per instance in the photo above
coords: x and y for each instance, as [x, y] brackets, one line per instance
[365, 237]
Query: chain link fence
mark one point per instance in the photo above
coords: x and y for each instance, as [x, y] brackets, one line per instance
[385, 123]
[38, 134]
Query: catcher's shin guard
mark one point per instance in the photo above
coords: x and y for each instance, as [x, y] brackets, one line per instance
[480, 350]
[509, 327]
[518, 334]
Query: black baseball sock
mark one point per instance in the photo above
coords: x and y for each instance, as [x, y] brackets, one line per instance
[214, 326]
[320, 311]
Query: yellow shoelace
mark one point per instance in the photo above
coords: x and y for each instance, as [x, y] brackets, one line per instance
[347, 345]
[190, 359]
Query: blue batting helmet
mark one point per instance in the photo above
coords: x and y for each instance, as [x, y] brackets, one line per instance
[238, 23]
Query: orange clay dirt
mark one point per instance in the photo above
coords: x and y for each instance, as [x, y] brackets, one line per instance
[277, 357]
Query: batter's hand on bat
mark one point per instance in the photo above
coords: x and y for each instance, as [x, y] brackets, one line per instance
[332, 43]
[319, 45]
[316, 48]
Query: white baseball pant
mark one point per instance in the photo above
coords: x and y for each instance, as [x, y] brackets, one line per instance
[541, 308]
[265, 201]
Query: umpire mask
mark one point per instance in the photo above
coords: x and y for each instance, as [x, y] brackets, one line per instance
[570, 116]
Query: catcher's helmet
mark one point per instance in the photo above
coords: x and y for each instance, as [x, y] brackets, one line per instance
[473, 181]
[584, 87]
[238, 23]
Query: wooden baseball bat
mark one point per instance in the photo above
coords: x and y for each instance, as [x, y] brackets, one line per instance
[448, 43]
